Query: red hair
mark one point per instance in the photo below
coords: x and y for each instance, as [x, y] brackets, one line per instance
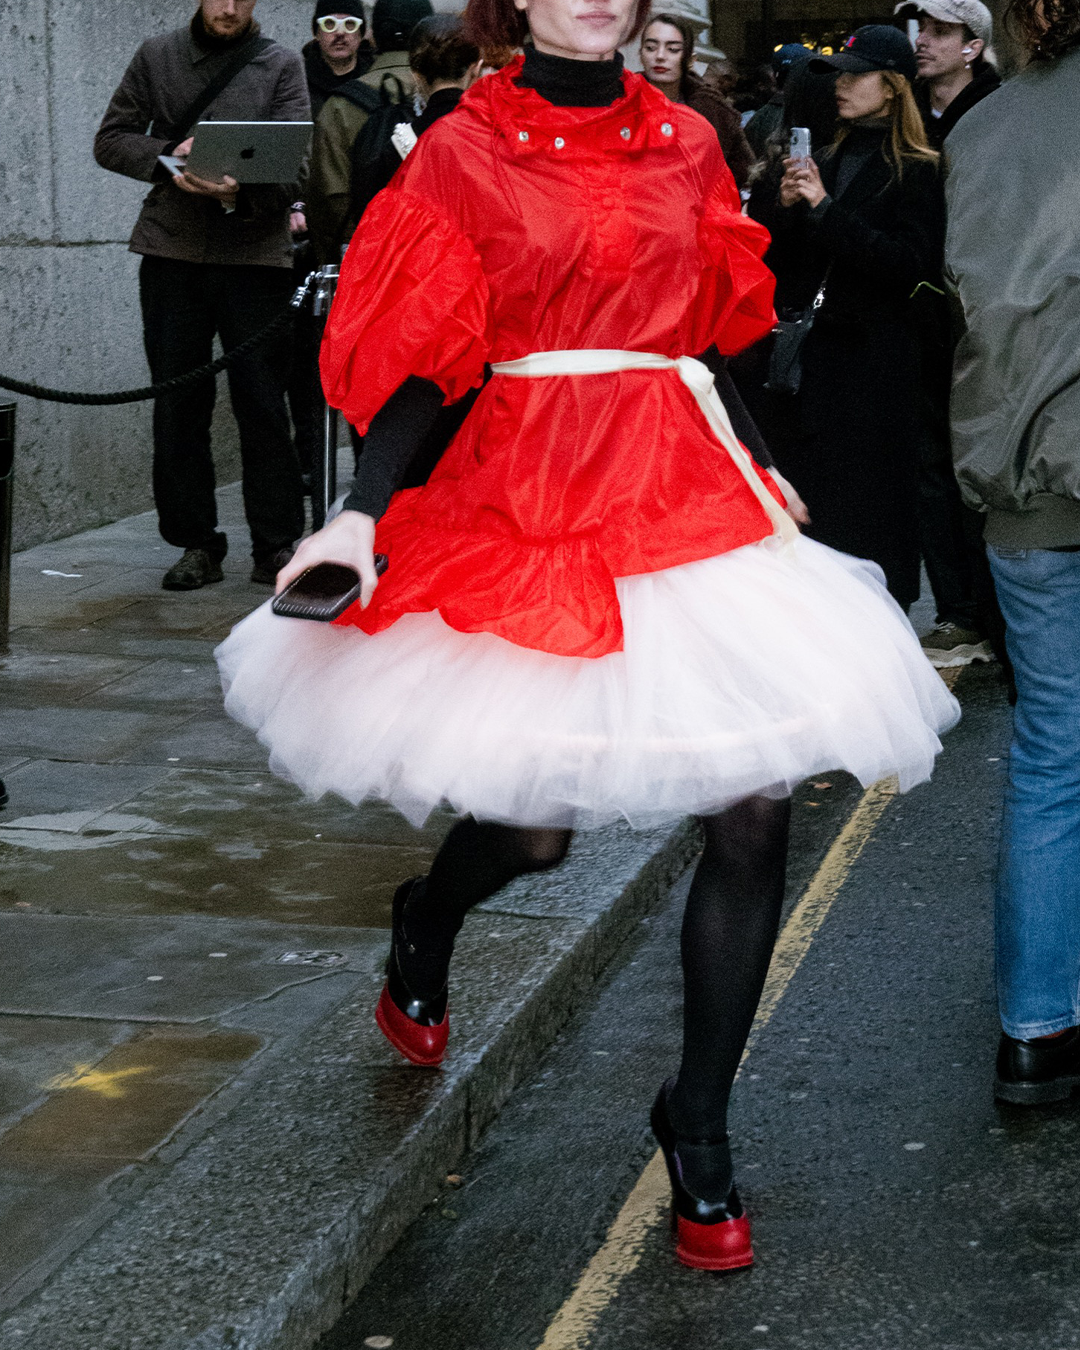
[499, 23]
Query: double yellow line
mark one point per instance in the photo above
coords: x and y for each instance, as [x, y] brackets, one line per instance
[646, 1206]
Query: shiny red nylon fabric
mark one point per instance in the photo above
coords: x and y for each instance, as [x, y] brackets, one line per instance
[518, 227]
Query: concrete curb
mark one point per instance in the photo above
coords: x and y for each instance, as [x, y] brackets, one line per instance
[269, 1223]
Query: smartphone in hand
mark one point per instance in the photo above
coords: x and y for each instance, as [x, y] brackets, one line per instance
[323, 592]
[800, 143]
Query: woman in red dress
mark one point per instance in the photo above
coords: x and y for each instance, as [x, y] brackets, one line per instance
[597, 608]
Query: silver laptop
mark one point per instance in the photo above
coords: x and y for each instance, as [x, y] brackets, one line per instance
[250, 152]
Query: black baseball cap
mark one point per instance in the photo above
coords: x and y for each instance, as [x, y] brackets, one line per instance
[878, 46]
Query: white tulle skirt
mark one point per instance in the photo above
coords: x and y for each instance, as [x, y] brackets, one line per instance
[745, 673]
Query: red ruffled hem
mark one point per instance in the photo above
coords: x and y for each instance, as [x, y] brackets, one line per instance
[555, 595]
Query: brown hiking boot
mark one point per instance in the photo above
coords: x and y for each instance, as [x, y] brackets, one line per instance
[196, 568]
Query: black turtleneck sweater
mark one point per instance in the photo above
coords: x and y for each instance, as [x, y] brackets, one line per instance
[572, 84]
[413, 418]
[860, 145]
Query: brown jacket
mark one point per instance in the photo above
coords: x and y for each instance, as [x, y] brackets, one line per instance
[727, 124]
[164, 77]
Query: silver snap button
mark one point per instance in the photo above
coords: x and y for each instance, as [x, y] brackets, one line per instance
[523, 135]
[666, 129]
[559, 142]
[625, 133]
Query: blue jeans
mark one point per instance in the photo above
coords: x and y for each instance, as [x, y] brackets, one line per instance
[1038, 887]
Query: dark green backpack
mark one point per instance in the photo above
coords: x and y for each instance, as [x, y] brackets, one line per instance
[373, 150]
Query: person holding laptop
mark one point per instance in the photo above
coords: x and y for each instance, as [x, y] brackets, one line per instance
[216, 261]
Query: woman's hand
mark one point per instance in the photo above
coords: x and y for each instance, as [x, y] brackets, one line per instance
[793, 503]
[801, 183]
[348, 539]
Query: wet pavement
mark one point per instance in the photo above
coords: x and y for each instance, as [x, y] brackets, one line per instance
[159, 890]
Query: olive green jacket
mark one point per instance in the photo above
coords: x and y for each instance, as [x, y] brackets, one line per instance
[327, 191]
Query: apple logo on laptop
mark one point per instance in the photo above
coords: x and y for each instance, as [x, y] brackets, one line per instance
[249, 153]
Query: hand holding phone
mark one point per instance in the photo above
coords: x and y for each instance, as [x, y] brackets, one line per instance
[348, 539]
[800, 143]
[323, 592]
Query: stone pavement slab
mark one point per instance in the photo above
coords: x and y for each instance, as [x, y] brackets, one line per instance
[204, 1140]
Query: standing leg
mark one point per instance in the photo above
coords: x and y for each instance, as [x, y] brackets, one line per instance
[178, 331]
[1038, 887]
[249, 298]
[941, 532]
[305, 390]
[729, 930]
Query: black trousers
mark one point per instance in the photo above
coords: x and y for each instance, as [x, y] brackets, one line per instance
[305, 387]
[945, 533]
[184, 305]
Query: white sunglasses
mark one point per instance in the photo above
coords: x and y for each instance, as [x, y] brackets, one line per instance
[330, 23]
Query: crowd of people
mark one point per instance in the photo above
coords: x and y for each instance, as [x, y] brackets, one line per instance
[611, 593]
[865, 436]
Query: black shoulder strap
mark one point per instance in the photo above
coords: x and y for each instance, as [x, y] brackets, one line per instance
[360, 95]
[244, 56]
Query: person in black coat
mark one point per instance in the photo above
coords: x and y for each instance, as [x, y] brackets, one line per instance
[864, 226]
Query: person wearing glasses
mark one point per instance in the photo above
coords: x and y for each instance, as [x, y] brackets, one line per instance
[329, 188]
[337, 53]
[336, 56]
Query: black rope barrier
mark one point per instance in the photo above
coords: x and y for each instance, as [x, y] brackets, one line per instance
[149, 391]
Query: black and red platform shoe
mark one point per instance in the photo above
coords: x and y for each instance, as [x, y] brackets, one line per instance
[709, 1234]
[417, 1028]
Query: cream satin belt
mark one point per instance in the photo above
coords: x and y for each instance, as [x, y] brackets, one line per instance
[697, 378]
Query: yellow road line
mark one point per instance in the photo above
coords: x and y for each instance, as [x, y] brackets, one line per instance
[647, 1203]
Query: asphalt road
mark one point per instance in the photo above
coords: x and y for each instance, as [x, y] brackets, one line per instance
[895, 1206]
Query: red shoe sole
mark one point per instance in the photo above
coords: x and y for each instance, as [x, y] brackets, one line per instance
[715, 1246]
[425, 1046]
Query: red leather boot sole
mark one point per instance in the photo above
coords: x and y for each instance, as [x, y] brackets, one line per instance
[714, 1246]
[424, 1046]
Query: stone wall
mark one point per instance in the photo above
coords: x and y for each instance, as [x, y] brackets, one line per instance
[68, 302]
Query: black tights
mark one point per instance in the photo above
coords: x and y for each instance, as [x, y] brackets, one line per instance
[729, 929]
[476, 861]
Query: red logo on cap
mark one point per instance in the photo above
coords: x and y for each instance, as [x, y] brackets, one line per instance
[850, 42]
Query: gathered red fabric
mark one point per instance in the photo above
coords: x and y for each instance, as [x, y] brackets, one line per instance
[514, 227]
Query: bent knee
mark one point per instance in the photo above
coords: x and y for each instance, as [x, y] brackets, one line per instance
[544, 849]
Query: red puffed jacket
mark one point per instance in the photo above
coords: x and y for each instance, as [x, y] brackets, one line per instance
[516, 227]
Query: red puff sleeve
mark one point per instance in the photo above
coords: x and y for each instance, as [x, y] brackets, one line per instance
[412, 300]
[734, 303]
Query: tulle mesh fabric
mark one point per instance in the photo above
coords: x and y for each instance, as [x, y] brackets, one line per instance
[740, 674]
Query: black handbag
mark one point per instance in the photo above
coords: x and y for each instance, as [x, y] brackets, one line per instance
[789, 336]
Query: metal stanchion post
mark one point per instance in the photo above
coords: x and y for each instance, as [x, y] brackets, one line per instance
[7, 475]
[322, 498]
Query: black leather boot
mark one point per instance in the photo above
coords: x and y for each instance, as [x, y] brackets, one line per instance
[1030, 1073]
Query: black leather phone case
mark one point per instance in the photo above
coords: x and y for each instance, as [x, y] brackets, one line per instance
[323, 592]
